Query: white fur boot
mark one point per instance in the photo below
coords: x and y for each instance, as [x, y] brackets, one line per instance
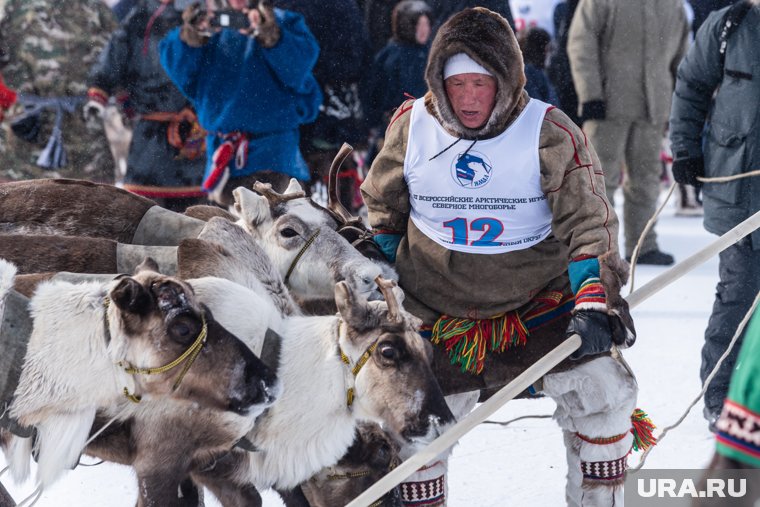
[426, 487]
[595, 401]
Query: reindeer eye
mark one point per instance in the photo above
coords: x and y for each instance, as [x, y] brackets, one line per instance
[389, 352]
[288, 232]
[184, 329]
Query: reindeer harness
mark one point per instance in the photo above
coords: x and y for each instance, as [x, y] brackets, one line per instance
[190, 355]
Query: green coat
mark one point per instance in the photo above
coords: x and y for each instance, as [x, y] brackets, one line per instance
[738, 435]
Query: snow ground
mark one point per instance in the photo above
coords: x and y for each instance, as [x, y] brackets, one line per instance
[523, 464]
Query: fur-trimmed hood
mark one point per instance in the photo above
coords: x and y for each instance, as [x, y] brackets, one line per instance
[487, 38]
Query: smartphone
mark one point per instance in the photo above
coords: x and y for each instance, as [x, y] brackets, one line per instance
[230, 18]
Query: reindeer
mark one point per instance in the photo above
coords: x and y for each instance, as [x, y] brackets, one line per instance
[298, 235]
[372, 455]
[111, 339]
[366, 363]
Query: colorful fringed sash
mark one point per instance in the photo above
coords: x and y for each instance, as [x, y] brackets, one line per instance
[468, 341]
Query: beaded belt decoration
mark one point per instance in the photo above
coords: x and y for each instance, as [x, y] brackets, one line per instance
[468, 341]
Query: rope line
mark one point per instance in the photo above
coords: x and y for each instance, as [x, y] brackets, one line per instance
[706, 384]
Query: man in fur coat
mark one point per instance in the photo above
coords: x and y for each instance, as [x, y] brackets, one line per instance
[492, 205]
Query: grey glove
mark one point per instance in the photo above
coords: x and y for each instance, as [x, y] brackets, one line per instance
[191, 33]
[93, 114]
[268, 31]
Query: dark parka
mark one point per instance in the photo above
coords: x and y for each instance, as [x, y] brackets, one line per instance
[399, 68]
[731, 143]
[130, 62]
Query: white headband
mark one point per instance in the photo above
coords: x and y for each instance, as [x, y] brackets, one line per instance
[461, 63]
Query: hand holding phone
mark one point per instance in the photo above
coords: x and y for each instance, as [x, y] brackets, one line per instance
[230, 18]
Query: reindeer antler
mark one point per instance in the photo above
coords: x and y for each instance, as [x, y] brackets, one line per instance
[338, 211]
[274, 197]
[386, 288]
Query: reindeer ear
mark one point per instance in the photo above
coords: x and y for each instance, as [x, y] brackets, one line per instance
[148, 264]
[250, 207]
[130, 296]
[293, 187]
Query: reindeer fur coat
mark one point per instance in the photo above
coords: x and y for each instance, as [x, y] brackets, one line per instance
[442, 281]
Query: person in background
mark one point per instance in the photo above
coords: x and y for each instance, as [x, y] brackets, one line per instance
[740, 416]
[703, 8]
[623, 57]
[344, 58]
[534, 13]
[399, 68]
[167, 153]
[252, 89]
[722, 89]
[487, 201]
[51, 45]
[377, 19]
[444, 9]
[736, 445]
[7, 98]
[559, 63]
[121, 8]
[535, 44]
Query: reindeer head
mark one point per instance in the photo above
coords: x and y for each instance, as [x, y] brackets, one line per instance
[158, 321]
[300, 239]
[372, 455]
[395, 383]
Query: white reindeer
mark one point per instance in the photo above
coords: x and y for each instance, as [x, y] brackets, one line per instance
[366, 363]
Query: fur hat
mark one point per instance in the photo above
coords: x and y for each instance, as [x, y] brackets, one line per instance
[487, 38]
[404, 19]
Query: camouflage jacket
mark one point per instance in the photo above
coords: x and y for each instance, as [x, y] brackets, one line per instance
[51, 46]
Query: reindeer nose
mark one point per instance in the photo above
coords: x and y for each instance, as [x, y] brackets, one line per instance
[169, 295]
[262, 389]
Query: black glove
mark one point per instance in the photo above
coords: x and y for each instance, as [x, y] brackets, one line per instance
[687, 170]
[593, 110]
[598, 331]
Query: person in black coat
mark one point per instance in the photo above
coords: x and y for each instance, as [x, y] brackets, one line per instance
[534, 43]
[399, 67]
[444, 9]
[344, 57]
[559, 63]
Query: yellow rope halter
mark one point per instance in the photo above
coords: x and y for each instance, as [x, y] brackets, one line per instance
[358, 366]
[299, 255]
[190, 354]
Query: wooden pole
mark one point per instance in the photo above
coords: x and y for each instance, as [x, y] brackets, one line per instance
[683, 267]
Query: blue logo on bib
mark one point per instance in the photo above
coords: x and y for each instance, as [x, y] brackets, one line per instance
[471, 169]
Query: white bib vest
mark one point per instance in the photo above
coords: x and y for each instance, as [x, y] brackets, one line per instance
[479, 197]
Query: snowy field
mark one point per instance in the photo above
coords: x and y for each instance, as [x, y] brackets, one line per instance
[523, 464]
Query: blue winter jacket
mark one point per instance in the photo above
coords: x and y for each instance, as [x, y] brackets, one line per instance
[236, 85]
